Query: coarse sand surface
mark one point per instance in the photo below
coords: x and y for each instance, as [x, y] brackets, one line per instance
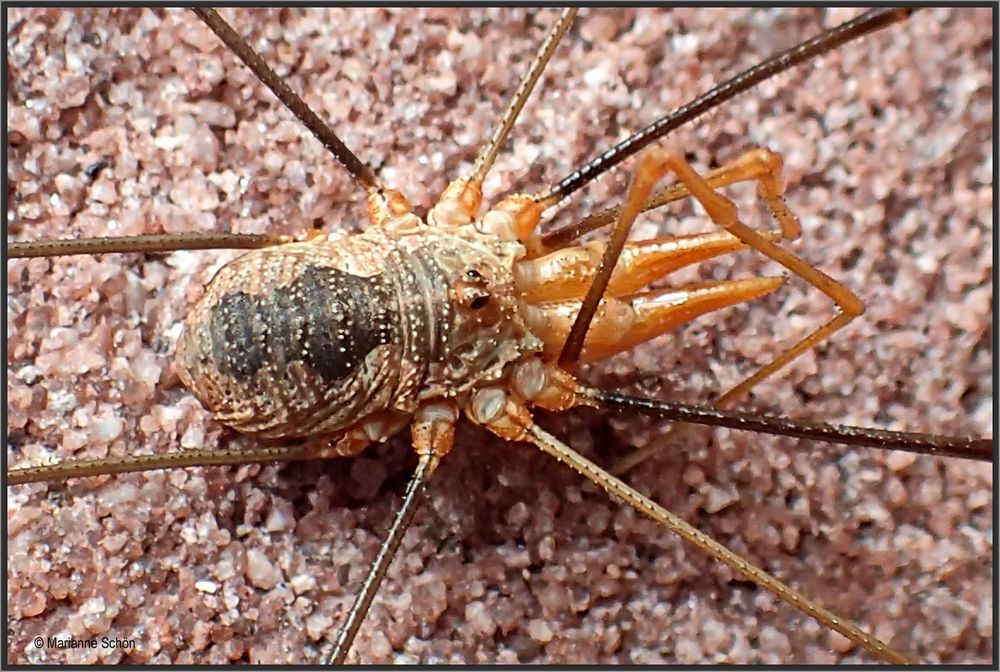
[136, 121]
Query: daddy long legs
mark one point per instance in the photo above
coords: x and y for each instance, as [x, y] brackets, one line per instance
[463, 532]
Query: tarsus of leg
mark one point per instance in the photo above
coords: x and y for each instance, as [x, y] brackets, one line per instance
[723, 212]
[465, 194]
[643, 504]
[433, 432]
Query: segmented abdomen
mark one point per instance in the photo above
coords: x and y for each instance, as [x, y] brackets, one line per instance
[294, 341]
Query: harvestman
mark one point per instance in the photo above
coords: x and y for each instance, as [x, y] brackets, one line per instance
[652, 163]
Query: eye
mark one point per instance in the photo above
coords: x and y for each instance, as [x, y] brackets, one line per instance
[473, 274]
[479, 302]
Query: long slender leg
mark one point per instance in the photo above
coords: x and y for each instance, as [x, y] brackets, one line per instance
[433, 432]
[964, 447]
[461, 199]
[383, 203]
[510, 419]
[828, 40]
[643, 504]
[549, 387]
[161, 242]
[360, 171]
[175, 460]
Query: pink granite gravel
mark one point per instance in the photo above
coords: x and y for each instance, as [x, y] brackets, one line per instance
[887, 146]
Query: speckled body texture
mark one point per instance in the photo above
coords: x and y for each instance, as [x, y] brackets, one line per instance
[310, 339]
[512, 558]
[286, 344]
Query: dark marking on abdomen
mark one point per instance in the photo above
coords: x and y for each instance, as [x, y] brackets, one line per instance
[327, 319]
